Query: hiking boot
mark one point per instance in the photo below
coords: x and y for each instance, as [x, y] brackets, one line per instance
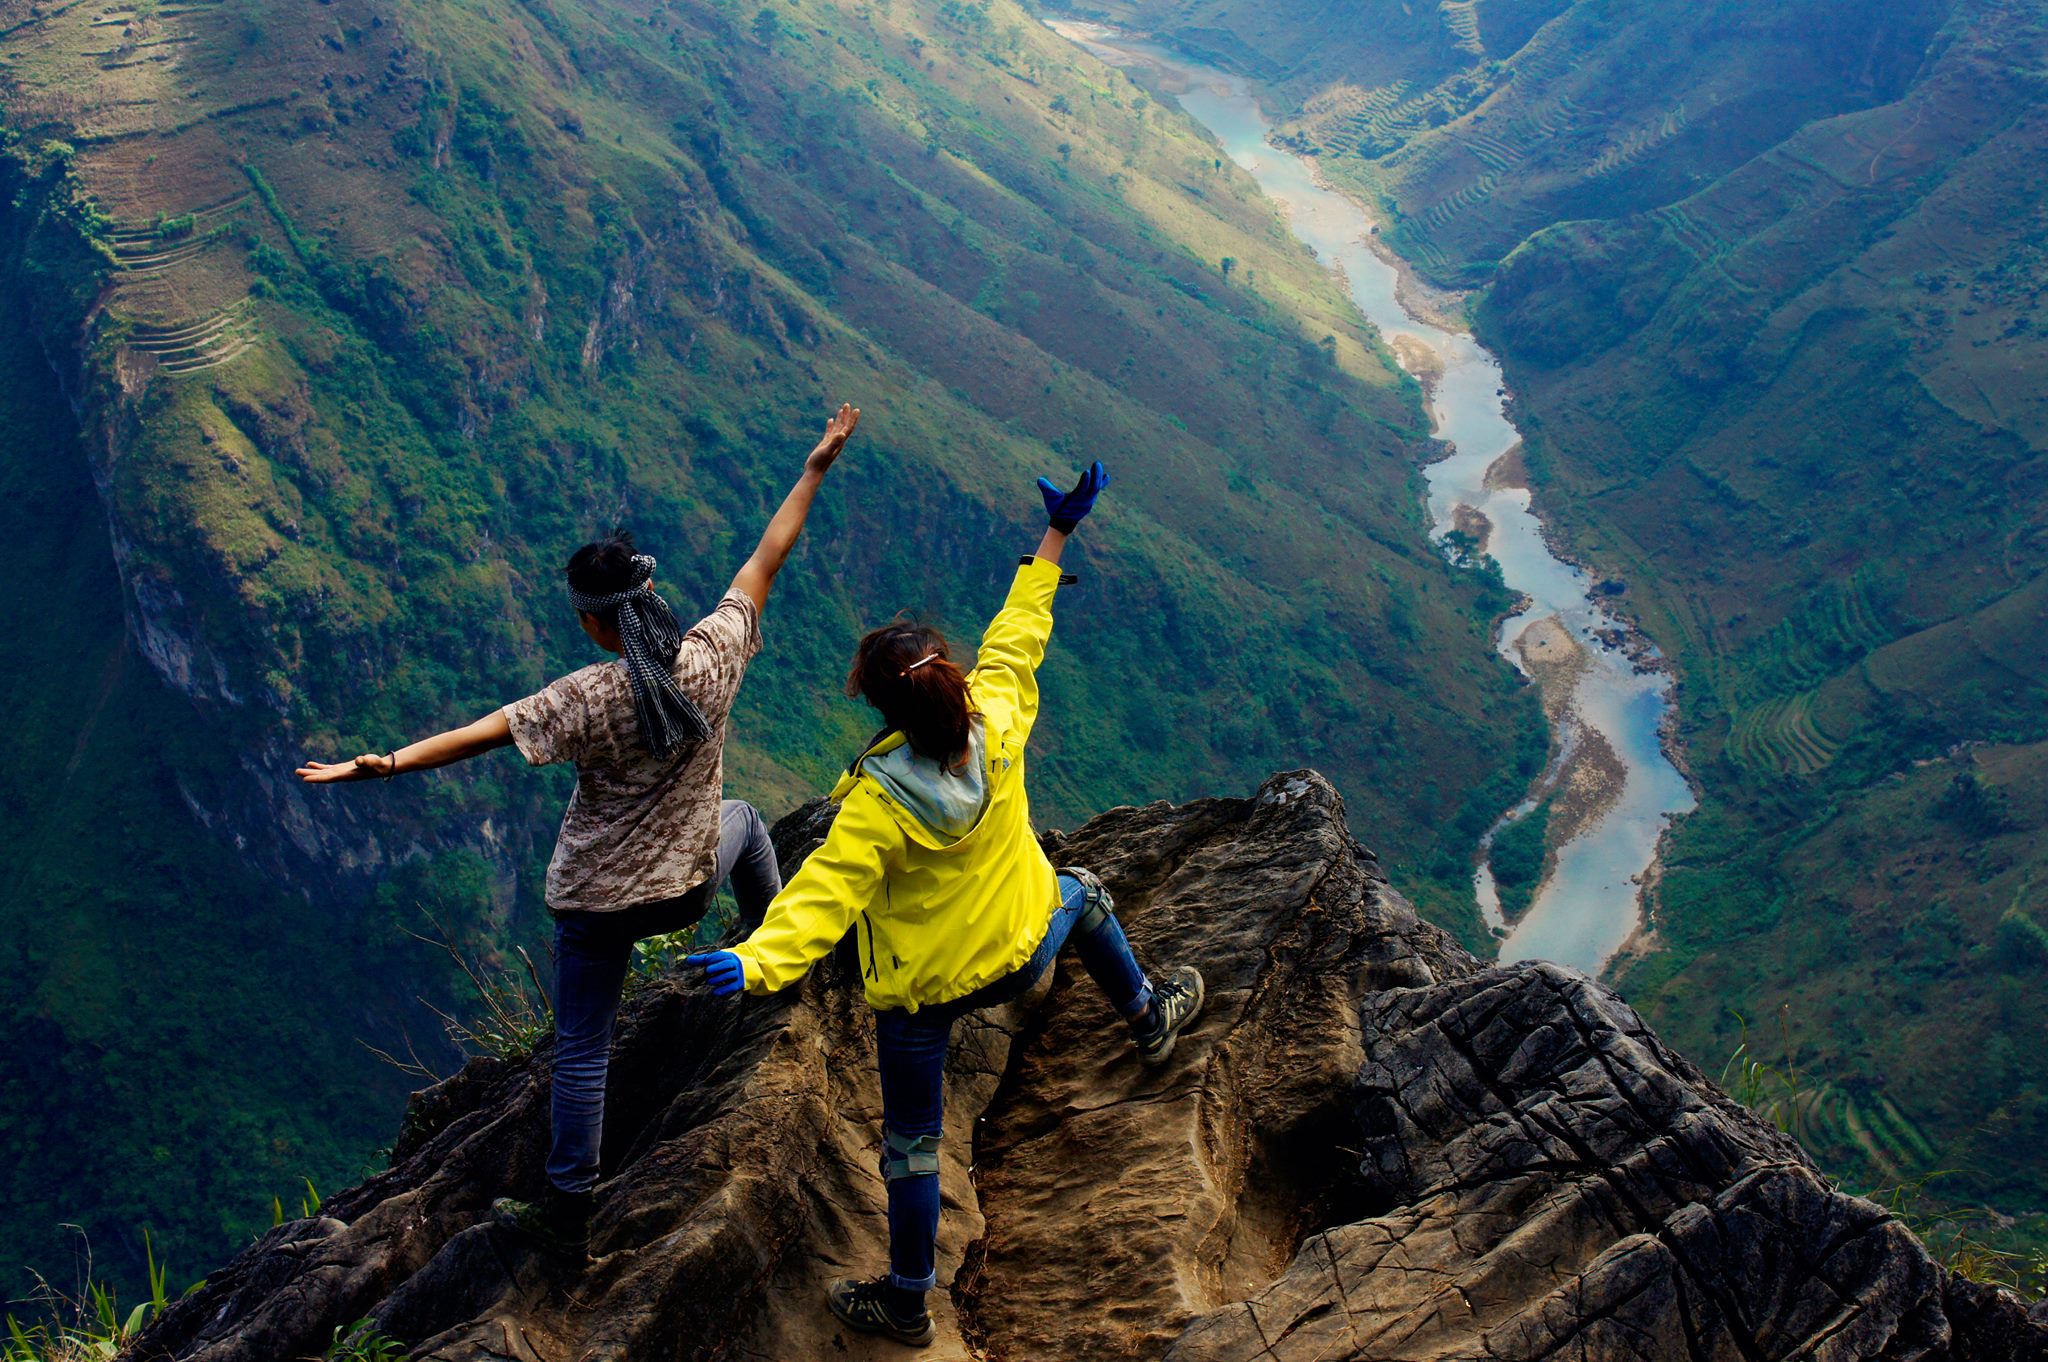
[558, 1222]
[1175, 1003]
[865, 1306]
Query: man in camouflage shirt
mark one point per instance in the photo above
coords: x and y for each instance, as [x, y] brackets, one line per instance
[646, 840]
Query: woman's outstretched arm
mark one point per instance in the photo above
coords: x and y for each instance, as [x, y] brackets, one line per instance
[758, 574]
[457, 744]
[806, 920]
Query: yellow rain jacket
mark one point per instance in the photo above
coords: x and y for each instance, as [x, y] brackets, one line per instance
[935, 919]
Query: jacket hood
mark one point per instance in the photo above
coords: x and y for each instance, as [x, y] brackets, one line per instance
[936, 807]
[948, 802]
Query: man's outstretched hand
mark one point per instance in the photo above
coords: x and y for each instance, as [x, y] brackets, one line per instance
[834, 439]
[1065, 509]
[757, 574]
[368, 766]
[722, 970]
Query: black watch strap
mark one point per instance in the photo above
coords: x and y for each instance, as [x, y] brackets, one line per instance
[1066, 578]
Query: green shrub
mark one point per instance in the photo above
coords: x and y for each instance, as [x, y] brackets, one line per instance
[1772, 1091]
[2021, 940]
[1971, 1241]
[1973, 806]
[309, 1205]
[517, 1012]
[1517, 859]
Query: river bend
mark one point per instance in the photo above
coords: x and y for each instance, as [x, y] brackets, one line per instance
[1613, 789]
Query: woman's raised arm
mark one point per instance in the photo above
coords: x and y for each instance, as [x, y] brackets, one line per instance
[758, 573]
[1006, 664]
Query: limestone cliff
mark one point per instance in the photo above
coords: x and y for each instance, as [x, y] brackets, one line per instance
[1372, 1146]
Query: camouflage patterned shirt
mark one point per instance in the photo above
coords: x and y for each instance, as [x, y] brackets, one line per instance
[639, 828]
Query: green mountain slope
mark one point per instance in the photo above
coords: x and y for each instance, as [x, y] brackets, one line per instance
[181, 1033]
[1472, 123]
[1776, 345]
[368, 312]
[1801, 412]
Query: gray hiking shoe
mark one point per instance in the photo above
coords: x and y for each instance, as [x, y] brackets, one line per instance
[865, 1306]
[1175, 1003]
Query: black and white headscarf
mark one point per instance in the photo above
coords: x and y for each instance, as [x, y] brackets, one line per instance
[651, 638]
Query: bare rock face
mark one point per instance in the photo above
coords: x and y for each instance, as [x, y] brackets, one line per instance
[1371, 1146]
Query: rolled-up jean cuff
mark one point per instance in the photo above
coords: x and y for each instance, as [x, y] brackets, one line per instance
[909, 1284]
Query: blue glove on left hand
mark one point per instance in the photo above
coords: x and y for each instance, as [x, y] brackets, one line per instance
[1065, 509]
[723, 970]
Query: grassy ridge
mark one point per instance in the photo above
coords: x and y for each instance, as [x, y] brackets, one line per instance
[1172, 369]
[372, 312]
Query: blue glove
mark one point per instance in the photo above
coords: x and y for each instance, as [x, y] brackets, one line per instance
[1065, 509]
[723, 970]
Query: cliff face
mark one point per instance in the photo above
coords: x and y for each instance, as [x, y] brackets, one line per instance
[1371, 1146]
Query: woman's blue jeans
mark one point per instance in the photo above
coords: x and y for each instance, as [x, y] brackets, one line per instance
[911, 1048]
[592, 952]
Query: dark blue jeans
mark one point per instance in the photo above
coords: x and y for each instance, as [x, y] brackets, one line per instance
[592, 952]
[911, 1048]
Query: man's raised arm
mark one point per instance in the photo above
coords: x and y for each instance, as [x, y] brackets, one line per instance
[780, 537]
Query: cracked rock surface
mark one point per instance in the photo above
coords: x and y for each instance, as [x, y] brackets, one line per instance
[1371, 1146]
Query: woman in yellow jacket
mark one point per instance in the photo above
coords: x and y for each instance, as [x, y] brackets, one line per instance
[932, 861]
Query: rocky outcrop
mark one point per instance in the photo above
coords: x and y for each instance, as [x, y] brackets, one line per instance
[1372, 1146]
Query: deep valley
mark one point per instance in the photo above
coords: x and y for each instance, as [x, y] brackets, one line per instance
[355, 318]
[1766, 289]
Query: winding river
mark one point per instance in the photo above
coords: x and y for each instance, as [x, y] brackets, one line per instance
[1611, 787]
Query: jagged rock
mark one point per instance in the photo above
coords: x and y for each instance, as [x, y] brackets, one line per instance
[1371, 1147]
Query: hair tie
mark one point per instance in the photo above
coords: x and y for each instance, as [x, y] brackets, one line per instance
[919, 663]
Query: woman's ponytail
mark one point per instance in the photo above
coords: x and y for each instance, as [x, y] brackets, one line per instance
[907, 672]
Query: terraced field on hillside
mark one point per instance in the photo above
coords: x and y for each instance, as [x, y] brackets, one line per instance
[1781, 737]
